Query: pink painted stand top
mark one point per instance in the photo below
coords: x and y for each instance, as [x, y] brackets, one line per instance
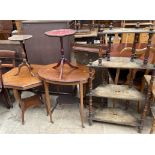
[60, 32]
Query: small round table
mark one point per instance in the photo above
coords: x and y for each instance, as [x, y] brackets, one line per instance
[61, 33]
[71, 76]
[21, 39]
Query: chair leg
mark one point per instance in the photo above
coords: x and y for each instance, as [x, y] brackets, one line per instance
[153, 126]
[7, 98]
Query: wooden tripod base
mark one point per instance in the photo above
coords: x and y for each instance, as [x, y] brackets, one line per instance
[61, 64]
[25, 63]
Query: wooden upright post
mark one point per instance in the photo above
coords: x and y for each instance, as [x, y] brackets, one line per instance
[148, 46]
[90, 92]
[109, 49]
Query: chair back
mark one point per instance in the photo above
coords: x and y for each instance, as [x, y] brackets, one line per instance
[7, 58]
[6, 27]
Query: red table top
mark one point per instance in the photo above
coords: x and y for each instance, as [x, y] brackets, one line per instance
[60, 32]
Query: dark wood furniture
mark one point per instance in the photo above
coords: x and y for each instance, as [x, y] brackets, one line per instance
[149, 101]
[6, 27]
[12, 46]
[8, 62]
[71, 76]
[61, 33]
[3, 91]
[23, 81]
[87, 37]
[8, 58]
[113, 91]
[22, 39]
[130, 23]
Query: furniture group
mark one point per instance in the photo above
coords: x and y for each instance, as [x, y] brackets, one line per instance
[31, 76]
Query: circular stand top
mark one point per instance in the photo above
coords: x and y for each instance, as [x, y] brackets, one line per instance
[60, 32]
[70, 75]
[19, 37]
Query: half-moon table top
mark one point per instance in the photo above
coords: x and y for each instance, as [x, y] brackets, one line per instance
[60, 32]
[70, 75]
[20, 37]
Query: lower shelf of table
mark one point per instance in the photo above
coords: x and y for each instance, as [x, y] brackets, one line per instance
[32, 101]
[118, 92]
[116, 116]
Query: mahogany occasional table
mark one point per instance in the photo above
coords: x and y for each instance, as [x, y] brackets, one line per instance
[62, 33]
[71, 76]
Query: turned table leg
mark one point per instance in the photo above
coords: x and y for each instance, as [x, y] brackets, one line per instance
[81, 103]
[61, 68]
[90, 97]
[7, 98]
[146, 108]
[48, 103]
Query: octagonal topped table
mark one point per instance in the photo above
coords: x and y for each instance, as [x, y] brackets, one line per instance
[71, 76]
[23, 81]
[61, 33]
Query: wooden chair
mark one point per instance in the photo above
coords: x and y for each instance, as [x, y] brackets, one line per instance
[4, 91]
[6, 27]
[8, 58]
[7, 61]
